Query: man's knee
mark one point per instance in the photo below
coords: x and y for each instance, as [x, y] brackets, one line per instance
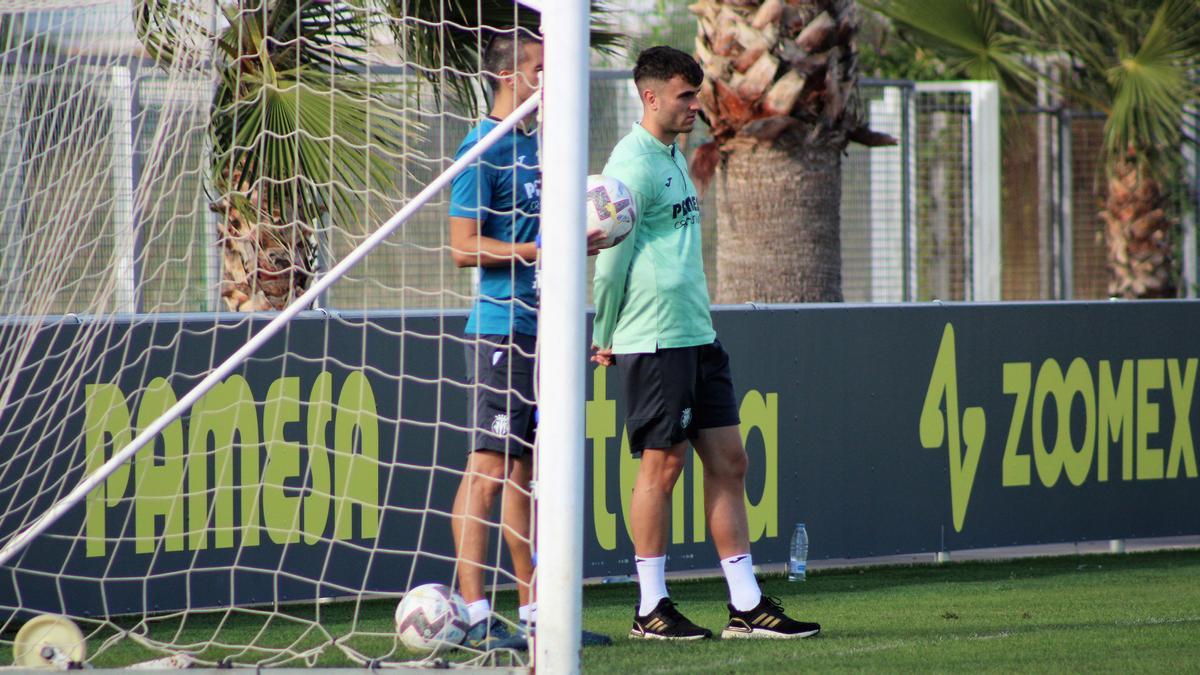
[729, 465]
[486, 472]
[663, 467]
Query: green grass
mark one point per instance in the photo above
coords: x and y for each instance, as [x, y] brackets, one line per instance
[1134, 612]
[1137, 612]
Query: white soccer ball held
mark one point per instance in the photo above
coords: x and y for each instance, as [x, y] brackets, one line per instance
[610, 209]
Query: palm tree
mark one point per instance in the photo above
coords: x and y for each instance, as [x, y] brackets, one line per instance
[291, 111]
[1135, 61]
[289, 82]
[445, 37]
[780, 95]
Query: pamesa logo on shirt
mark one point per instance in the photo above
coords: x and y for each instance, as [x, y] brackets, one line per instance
[533, 192]
[686, 212]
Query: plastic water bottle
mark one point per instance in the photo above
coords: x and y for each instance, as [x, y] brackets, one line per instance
[798, 562]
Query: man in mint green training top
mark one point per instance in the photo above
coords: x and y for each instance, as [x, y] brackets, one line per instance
[653, 322]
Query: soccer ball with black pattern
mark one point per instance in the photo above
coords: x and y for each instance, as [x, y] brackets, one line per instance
[431, 616]
[610, 208]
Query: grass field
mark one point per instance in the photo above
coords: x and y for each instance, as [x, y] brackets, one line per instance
[1133, 612]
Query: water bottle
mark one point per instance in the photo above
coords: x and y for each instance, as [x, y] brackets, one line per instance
[799, 560]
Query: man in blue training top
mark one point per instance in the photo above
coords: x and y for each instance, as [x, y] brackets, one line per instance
[494, 224]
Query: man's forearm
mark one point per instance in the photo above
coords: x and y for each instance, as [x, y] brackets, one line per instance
[487, 252]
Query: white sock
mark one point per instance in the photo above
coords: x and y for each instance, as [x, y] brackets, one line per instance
[478, 611]
[652, 580]
[744, 593]
[528, 613]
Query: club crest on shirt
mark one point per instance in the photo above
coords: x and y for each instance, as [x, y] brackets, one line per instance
[500, 424]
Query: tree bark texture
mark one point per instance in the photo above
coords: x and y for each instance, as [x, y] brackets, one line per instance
[781, 98]
[778, 223]
[1138, 232]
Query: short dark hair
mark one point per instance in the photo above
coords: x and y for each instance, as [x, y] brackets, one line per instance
[501, 52]
[663, 63]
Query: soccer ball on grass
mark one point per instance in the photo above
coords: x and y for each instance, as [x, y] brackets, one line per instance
[431, 616]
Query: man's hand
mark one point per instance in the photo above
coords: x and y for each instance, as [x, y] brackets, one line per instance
[595, 237]
[603, 357]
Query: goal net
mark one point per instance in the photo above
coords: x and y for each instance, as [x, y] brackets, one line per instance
[186, 181]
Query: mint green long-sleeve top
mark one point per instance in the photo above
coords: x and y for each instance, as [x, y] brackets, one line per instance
[650, 290]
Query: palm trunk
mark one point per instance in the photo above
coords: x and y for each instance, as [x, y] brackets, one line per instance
[780, 95]
[264, 265]
[778, 227]
[1139, 235]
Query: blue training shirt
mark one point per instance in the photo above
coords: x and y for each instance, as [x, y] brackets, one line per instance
[502, 190]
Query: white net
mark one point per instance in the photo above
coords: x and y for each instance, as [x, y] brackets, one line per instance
[170, 168]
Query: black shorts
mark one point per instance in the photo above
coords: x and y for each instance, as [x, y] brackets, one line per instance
[671, 394]
[503, 410]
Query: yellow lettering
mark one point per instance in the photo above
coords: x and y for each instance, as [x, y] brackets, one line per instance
[677, 512]
[356, 458]
[1015, 467]
[106, 430]
[699, 520]
[1078, 463]
[1149, 378]
[281, 513]
[600, 424]
[316, 503]
[1182, 388]
[225, 411]
[159, 487]
[1115, 417]
[1049, 463]
[762, 414]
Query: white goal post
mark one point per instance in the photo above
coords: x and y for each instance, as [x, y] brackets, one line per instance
[562, 351]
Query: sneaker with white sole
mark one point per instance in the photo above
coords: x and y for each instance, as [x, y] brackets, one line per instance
[665, 622]
[768, 621]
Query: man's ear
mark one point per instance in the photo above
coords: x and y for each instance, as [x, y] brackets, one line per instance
[506, 76]
[649, 98]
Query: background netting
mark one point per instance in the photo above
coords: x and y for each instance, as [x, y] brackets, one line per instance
[165, 163]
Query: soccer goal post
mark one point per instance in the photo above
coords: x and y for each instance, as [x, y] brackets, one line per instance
[259, 487]
[562, 349]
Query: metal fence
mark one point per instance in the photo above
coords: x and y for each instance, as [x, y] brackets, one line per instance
[1054, 190]
[936, 217]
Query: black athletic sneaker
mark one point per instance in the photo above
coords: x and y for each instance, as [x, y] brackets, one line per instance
[665, 622]
[767, 620]
[493, 633]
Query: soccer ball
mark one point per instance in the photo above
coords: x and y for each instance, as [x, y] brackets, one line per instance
[610, 208]
[431, 616]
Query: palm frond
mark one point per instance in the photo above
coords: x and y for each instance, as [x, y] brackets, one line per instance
[304, 146]
[967, 35]
[1153, 84]
[443, 40]
[282, 128]
[332, 34]
[175, 33]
